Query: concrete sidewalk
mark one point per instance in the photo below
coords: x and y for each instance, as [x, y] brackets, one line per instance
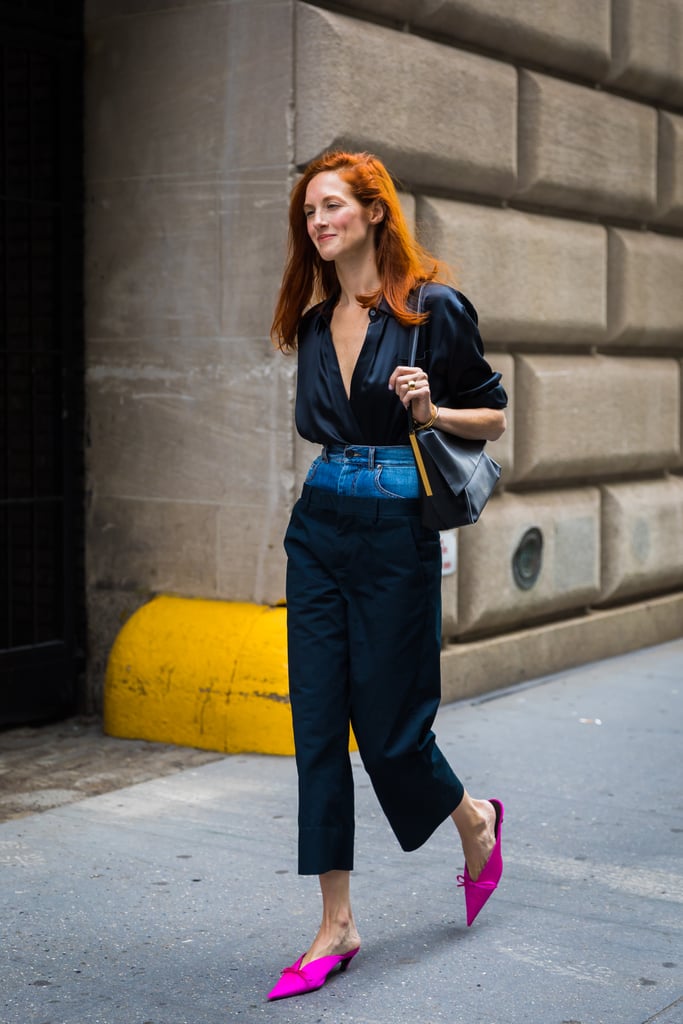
[176, 901]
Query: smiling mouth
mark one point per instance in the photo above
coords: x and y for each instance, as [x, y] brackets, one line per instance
[323, 238]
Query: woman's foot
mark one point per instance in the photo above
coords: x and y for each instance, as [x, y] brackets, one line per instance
[297, 980]
[479, 890]
[475, 820]
[335, 945]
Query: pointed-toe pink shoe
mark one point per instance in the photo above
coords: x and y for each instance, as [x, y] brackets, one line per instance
[297, 980]
[477, 893]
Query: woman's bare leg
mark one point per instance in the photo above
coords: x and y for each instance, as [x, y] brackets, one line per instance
[337, 934]
[475, 820]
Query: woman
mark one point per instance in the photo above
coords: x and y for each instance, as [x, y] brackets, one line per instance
[363, 575]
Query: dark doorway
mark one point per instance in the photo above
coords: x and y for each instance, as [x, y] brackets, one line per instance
[41, 360]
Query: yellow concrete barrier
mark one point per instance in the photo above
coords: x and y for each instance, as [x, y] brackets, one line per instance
[208, 674]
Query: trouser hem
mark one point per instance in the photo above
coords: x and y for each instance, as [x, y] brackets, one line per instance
[325, 848]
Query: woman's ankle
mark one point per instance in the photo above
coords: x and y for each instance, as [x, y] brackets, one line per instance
[332, 942]
[471, 816]
[475, 821]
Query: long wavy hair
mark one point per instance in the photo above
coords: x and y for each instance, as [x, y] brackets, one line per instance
[402, 263]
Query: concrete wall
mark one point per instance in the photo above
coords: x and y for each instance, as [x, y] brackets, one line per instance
[188, 165]
[540, 145]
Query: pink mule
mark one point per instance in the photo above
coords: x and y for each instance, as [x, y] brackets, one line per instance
[297, 980]
[477, 893]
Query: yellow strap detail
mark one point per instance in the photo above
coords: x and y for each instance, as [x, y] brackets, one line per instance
[420, 464]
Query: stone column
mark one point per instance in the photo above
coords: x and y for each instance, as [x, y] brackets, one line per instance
[190, 456]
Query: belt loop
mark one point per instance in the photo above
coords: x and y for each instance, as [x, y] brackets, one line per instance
[371, 457]
[323, 454]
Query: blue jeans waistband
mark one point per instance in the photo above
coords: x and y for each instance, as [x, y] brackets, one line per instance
[369, 455]
[366, 471]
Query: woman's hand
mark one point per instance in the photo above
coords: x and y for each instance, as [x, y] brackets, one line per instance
[411, 384]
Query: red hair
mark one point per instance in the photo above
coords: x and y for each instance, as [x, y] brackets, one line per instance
[402, 263]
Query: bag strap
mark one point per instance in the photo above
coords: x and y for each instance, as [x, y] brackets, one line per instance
[419, 461]
[414, 338]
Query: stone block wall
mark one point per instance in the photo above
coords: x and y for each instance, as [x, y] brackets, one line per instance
[540, 150]
[543, 148]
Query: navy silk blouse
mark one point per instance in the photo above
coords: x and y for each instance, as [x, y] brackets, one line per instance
[450, 351]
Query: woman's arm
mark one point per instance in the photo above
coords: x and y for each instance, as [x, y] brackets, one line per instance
[451, 372]
[411, 384]
[476, 424]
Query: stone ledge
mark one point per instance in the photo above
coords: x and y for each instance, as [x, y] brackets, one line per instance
[472, 669]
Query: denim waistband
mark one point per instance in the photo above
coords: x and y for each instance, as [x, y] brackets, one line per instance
[369, 455]
[349, 504]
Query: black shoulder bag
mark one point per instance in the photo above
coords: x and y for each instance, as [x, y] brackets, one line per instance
[457, 477]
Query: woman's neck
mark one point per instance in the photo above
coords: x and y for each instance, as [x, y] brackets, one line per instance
[357, 279]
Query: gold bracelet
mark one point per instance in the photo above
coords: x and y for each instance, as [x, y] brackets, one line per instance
[431, 421]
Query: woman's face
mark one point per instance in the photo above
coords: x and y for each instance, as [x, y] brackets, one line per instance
[338, 225]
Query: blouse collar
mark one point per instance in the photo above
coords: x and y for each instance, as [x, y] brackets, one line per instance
[323, 311]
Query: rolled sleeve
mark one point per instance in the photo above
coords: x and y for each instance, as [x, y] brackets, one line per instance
[460, 376]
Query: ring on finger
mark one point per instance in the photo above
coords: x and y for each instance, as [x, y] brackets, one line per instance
[411, 385]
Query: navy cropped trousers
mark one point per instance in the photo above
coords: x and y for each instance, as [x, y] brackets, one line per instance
[364, 639]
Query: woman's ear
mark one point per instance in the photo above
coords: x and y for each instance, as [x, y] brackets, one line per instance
[377, 212]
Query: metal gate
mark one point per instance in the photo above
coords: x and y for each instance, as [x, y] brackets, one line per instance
[41, 360]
